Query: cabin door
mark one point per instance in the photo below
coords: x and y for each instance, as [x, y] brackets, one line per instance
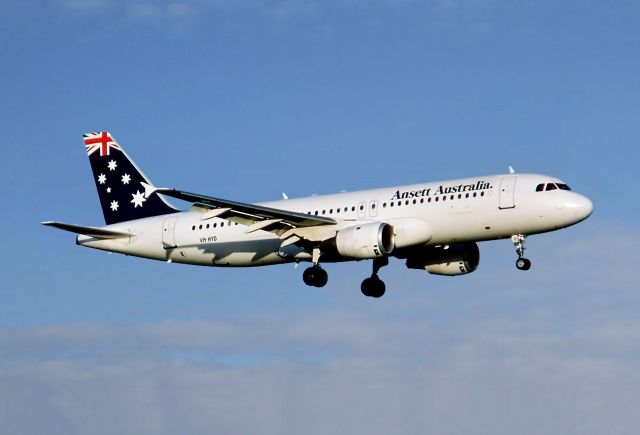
[168, 233]
[508, 192]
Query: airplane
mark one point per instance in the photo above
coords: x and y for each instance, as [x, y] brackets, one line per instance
[433, 226]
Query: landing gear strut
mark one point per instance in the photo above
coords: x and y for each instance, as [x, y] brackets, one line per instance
[374, 287]
[518, 241]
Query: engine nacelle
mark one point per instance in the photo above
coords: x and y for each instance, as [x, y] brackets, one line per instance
[450, 260]
[365, 240]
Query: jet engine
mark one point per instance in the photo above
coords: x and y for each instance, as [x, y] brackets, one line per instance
[365, 240]
[450, 260]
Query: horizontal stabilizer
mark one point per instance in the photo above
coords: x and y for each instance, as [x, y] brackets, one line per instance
[98, 233]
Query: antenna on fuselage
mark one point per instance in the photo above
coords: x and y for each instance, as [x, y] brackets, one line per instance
[511, 170]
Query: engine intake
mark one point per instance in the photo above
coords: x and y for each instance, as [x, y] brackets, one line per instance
[449, 260]
[365, 240]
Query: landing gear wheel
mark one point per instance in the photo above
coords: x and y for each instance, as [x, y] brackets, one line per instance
[523, 263]
[373, 287]
[315, 276]
[308, 276]
[322, 278]
[518, 241]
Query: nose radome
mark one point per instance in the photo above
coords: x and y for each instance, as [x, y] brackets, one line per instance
[581, 205]
[585, 207]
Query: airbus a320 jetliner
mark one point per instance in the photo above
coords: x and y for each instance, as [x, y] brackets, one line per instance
[433, 226]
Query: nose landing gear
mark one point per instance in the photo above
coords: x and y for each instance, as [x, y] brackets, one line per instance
[518, 241]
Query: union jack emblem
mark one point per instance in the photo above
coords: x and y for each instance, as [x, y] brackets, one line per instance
[102, 141]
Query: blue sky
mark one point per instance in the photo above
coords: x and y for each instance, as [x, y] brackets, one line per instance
[246, 99]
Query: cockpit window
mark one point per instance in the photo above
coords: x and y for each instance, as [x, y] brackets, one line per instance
[551, 186]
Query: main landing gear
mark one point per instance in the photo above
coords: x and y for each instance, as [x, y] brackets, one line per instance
[315, 276]
[518, 241]
[374, 287]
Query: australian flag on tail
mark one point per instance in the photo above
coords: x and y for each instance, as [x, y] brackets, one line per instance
[125, 193]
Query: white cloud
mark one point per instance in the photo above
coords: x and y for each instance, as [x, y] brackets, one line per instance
[552, 351]
[361, 377]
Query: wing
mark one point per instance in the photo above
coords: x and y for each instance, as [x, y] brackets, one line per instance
[289, 225]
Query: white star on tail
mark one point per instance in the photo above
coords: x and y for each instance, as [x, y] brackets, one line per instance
[138, 199]
[108, 190]
[102, 179]
[112, 165]
[114, 205]
[126, 178]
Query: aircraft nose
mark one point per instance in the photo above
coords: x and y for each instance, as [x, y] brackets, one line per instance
[580, 206]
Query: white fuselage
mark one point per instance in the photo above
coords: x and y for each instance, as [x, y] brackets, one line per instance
[435, 213]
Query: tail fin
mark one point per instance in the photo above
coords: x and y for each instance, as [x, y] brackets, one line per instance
[123, 189]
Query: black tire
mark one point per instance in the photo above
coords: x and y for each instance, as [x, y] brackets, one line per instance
[378, 288]
[373, 287]
[366, 286]
[523, 264]
[309, 276]
[321, 278]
